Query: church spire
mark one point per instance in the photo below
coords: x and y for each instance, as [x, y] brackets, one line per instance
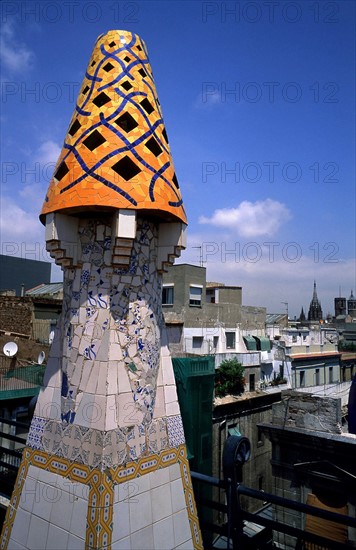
[315, 312]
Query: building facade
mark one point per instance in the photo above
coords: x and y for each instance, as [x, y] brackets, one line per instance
[206, 318]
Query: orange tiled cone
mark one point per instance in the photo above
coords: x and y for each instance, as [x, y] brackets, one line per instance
[116, 152]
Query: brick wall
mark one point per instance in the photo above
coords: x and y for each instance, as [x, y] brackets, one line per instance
[16, 314]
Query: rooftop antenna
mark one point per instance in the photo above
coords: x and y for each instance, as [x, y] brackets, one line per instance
[286, 304]
[201, 261]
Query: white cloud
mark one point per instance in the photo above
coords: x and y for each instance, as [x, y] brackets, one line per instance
[258, 219]
[45, 159]
[17, 223]
[269, 283]
[15, 56]
[48, 152]
[272, 271]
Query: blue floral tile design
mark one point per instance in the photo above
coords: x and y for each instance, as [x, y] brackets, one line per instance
[175, 431]
[34, 438]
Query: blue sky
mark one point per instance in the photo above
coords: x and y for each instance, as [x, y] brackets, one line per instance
[258, 100]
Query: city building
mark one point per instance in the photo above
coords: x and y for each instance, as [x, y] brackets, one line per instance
[307, 356]
[205, 317]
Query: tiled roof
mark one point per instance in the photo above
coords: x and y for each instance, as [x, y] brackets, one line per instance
[45, 289]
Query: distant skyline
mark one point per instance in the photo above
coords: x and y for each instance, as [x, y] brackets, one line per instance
[258, 100]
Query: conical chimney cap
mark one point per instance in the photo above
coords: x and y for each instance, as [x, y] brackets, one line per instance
[116, 153]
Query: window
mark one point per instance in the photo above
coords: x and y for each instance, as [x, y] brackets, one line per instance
[317, 377]
[230, 340]
[252, 382]
[331, 377]
[195, 294]
[197, 341]
[216, 341]
[281, 370]
[302, 378]
[168, 295]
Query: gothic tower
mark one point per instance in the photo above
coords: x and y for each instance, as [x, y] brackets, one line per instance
[351, 305]
[315, 312]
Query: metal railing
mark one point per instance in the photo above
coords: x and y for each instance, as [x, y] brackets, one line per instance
[10, 457]
[233, 529]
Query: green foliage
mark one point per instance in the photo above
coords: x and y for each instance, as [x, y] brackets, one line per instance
[229, 379]
[344, 345]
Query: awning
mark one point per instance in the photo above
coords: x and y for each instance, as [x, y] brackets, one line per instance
[263, 343]
[250, 343]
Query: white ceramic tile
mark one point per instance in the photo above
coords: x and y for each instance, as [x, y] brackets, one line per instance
[33, 471]
[159, 477]
[170, 394]
[37, 534]
[93, 378]
[81, 490]
[121, 521]
[112, 378]
[143, 539]
[174, 472]
[47, 477]
[13, 545]
[167, 371]
[52, 372]
[181, 527]
[115, 352]
[20, 527]
[77, 373]
[99, 413]
[45, 496]
[127, 413]
[178, 498]
[75, 543]
[188, 545]
[56, 538]
[172, 408]
[79, 517]
[88, 413]
[141, 484]
[111, 413]
[122, 544]
[103, 350]
[140, 511]
[48, 405]
[163, 534]
[87, 366]
[160, 409]
[28, 494]
[123, 380]
[161, 502]
[159, 376]
[62, 509]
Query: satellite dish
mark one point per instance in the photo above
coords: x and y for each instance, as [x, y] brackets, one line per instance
[41, 357]
[10, 349]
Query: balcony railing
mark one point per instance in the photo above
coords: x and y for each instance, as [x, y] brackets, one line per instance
[234, 533]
